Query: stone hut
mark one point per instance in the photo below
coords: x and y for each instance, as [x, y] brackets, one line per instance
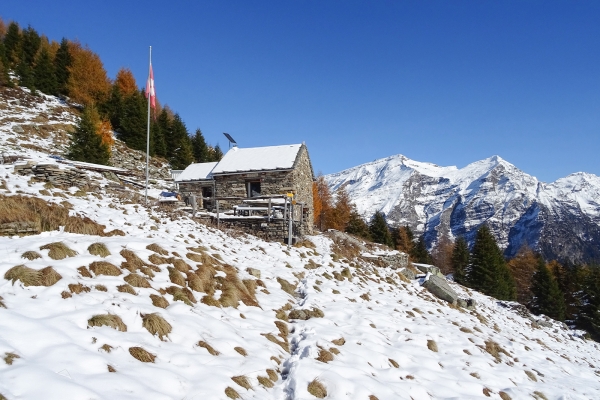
[258, 172]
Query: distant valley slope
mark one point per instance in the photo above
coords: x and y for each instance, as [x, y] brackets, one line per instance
[560, 219]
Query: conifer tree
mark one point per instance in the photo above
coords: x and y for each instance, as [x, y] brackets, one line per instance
[547, 298]
[44, 74]
[163, 127]
[419, 253]
[133, 121]
[26, 78]
[588, 317]
[62, 63]
[488, 272]
[460, 259]
[522, 267]
[403, 239]
[379, 230]
[86, 144]
[218, 154]
[12, 45]
[357, 225]
[88, 82]
[201, 153]
[30, 44]
[180, 153]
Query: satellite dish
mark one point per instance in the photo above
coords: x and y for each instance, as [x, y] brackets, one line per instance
[231, 140]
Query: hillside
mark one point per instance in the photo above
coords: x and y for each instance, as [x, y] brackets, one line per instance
[560, 219]
[231, 318]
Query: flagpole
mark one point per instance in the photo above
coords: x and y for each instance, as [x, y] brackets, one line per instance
[148, 131]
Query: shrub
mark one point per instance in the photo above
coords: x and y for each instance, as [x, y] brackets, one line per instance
[98, 249]
[111, 320]
[317, 389]
[58, 250]
[141, 355]
[105, 268]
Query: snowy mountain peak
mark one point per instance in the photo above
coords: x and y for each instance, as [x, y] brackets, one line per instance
[519, 209]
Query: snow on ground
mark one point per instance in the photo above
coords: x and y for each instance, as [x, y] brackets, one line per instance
[379, 337]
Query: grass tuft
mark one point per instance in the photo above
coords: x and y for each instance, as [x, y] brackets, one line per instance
[181, 265]
[176, 277]
[157, 249]
[101, 288]
[271, 338]
[265, 381]
[242, 381]
[2, 305]
[531, 376]
[317, 389]
[231, 393]
[78, 288]
[31, 277]
[211, 350]
[58, 250]
[106, 347]
[104, 268]
[111, 368]
[432, 345]
[272, 375]
[339, 342]
[132, 260]
[156, 325]
[31, 255]
[98, 249]
[136, 280]
[141, 355]
[182, 294]
[394, 363]
[504, 395]
[159, 301]
[84, 272]
[10, 357]
[324, 356]
[241, 350]
[111, 320]
[126, 289]
[286, 286]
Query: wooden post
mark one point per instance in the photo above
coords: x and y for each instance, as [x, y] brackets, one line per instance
[269, 211]
[218, 220]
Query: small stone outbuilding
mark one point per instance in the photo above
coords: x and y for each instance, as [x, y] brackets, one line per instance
[244, 174]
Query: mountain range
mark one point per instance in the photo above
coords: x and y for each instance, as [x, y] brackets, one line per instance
[561, 219]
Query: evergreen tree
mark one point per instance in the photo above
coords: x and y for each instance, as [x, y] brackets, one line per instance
[460, 259]
[4, 77]
[163, 130]
[12, 45]
[62, 63]
[30, 44]
[488, 272]
[419, 253]
[180, 153]
[218, 155]
[357, 226]
[201, 153]
[86, 144]
[133, 122]
[589, 313]
[44, 74]
[379, 230]
[26, 78]
[547, 297]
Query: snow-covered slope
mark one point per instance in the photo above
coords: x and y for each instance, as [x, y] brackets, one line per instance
[377, 336]
[562, 219]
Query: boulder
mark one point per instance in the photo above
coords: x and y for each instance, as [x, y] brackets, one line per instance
[431, 269]
[408, 273]
[469, 304]
[439, 288]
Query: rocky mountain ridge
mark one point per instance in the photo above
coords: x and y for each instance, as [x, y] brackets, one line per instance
[560, 219]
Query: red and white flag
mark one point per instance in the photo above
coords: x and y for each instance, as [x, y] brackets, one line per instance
[150, 91]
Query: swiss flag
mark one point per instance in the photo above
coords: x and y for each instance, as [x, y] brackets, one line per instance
[150, 91]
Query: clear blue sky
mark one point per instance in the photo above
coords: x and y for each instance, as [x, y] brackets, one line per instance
[448, 82]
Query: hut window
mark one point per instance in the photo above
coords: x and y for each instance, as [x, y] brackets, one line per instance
[253, 188]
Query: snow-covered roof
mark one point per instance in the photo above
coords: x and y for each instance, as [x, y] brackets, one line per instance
[258, 159]
[196, 172]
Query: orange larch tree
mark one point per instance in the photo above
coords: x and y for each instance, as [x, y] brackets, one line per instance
[125, 82]
[522, 267]
[88, 83]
